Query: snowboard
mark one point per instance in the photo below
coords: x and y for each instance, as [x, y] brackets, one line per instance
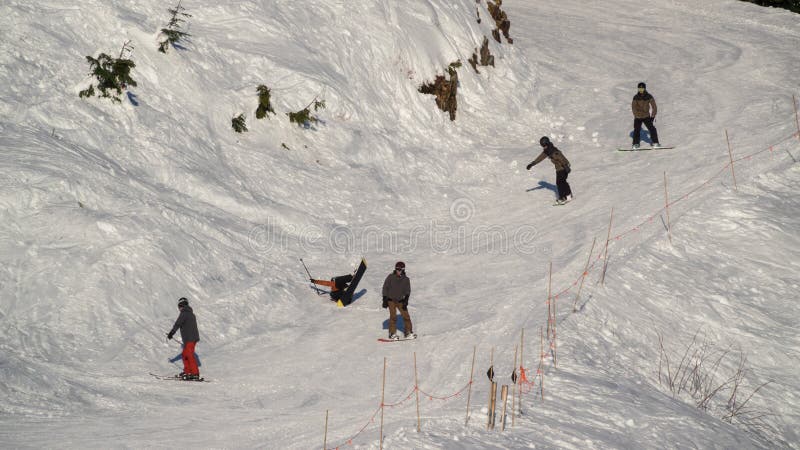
[562, 204]
[347, 297]
[396, 340]
[641, 149]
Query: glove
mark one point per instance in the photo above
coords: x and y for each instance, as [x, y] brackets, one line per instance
[170, 334]
[404, 303]
[385, 301]
[528, 167]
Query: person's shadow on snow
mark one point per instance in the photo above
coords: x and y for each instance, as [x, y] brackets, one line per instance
[544, 185]
[358, 295]
[644, 136]
[400, 324]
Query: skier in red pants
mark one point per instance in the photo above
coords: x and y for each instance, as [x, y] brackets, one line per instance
[187, 323]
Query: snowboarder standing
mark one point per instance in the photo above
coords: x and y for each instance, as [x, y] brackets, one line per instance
[396, 291]
[644, 112]
[562, 168]
[187, 323]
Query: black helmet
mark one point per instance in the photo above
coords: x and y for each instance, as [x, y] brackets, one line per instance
[544, 141]
[182, 302]
[642, 85]
[400, 265]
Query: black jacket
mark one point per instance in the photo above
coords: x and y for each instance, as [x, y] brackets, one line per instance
[397, 288]
[187, 324]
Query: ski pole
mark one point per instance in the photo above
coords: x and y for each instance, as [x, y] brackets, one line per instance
[310, 277]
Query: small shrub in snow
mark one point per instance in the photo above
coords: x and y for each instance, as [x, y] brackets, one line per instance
[264, 103]
[172, 34]
[486, 57]
[112, 75]
[706, 376]
[445, 90]
[238, 123]
[304, 116]
[500, 19]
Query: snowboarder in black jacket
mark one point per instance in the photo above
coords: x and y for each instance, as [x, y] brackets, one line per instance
[187, 323]
[396, 292]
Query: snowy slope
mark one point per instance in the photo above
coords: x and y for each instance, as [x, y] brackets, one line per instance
[111, 212]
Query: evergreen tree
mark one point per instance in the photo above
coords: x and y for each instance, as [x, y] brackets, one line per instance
[304, 116]
[791, 5]
[264, 103]
[238, 123]
[113, 75]
[172, 33]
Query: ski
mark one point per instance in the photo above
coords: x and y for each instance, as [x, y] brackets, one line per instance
[642, 149]
[174, 378]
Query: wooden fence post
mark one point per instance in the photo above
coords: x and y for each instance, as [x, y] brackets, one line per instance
[469, 392]
[666, 206]
[521, 368]
[796, 117]
[583, 276]
[504, 398]
[555, 334]
[383, 393]
[492, 405]
[605, 254]
[492, 394]
[549, 307]
[416, 389]
[541, 360]
[730, 154]
[325, 441]
[513, 397]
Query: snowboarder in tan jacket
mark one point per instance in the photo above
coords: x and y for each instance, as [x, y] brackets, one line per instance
[644, 112]
[562, 168]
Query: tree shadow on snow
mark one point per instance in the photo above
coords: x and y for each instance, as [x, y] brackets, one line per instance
[133, 98]
[644, 136]
[544, 185]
